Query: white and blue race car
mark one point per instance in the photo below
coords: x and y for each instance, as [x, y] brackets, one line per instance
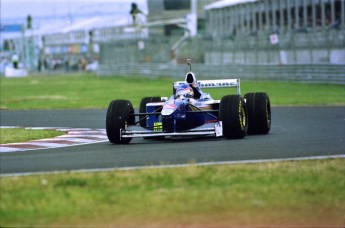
[191, 112]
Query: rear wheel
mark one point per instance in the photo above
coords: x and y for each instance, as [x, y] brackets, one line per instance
[118, 116]
[142, 108]
[259, 113]
[233, 114]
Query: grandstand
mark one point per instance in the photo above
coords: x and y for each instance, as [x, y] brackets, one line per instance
[229, 18]
[276, 31]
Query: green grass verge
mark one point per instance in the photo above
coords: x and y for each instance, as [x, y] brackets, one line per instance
[83, 91]
[294, 194]
[12, 135]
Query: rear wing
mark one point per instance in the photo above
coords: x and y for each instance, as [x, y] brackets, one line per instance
[220, 83]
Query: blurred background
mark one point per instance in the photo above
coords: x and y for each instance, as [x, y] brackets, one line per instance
[290, 39]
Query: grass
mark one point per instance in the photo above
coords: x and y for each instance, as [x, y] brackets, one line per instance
[298, 193]
[87, 91]
[12, 135]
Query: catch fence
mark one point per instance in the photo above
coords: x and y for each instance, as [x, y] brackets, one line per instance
[328, 74]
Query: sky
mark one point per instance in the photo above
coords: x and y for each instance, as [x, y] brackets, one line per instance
[17, 10]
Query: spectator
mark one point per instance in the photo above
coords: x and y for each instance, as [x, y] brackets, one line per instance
[134, 12]
[15, 60]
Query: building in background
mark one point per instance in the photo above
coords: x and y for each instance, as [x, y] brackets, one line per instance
[62, 33]
[171, 9]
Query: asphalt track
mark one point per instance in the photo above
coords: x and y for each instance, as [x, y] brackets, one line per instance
[296, 132]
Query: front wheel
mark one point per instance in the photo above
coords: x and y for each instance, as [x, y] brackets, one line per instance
[118, 116]
[233, 113]
[142, 108]
[259, 113]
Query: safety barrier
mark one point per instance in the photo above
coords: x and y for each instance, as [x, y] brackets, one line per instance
[330, 74]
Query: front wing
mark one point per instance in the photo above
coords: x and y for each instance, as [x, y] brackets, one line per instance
[211, 129]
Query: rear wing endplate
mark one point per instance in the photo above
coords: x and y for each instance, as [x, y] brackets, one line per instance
[219, 83]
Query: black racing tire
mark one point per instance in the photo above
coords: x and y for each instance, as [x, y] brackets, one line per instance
[259, 112]
[118, 116]
[234, 116]
[142, 108]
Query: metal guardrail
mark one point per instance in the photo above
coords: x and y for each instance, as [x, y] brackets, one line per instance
[331, 74]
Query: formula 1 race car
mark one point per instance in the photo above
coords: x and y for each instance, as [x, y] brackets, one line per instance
[190, 112]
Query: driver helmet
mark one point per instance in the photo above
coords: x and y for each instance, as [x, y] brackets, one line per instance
[191, 79]
[184, 90]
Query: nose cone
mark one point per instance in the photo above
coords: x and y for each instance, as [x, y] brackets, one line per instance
[168, 109]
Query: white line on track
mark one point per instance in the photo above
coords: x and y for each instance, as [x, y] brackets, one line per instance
[178, 165]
